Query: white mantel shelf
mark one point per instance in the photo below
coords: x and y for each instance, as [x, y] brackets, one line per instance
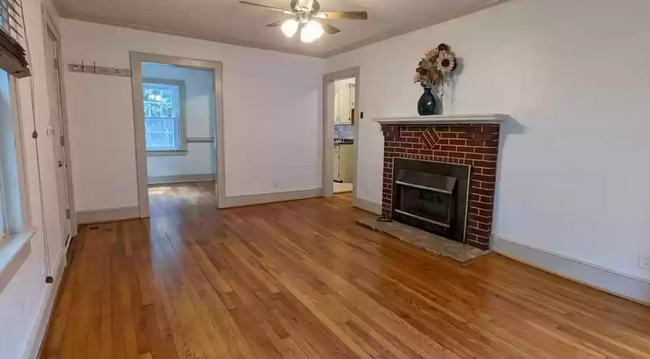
[481, 119]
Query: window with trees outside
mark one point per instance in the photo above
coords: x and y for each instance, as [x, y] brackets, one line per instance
[3, 211]
[12, 193]
[164, 120]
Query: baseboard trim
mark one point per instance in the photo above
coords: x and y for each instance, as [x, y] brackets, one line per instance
[241, 201]
[367, 206]
[181, 178]
[35, 341]
[603, 279]
[108, 215]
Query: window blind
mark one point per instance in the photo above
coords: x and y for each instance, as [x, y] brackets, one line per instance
[13, 57]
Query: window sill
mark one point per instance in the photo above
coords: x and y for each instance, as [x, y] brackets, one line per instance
[167, 153]
[14, 250]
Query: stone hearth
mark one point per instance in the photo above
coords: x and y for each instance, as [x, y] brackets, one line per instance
[471, 140]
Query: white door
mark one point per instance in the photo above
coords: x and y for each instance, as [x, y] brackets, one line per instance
[56, 129]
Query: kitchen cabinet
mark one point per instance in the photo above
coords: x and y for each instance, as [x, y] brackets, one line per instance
[337, 160]
[344, 105]
[344, 163]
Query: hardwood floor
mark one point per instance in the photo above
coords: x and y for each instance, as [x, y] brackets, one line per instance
[302, 280]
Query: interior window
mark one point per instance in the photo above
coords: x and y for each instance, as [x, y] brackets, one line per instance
[162, 117]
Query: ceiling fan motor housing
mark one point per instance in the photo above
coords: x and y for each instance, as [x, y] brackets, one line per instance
[297, 8]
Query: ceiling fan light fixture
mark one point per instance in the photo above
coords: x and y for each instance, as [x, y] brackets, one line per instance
[312, 31]
[305, 36]
[290, 27]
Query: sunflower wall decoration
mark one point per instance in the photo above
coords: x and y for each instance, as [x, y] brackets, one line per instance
[433, 70]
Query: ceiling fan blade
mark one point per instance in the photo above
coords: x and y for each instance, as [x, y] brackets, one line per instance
[331, 30]
[265, 7]
[343, 15]
[276, 24]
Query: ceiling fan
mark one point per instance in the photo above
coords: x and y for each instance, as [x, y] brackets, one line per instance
[304, 13]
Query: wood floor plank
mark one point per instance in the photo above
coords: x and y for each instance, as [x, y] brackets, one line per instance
[300, 279]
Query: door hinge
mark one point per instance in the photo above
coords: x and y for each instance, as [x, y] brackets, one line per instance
[62, 139]
[67, 214]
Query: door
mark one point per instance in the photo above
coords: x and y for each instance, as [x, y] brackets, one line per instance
[56, 129]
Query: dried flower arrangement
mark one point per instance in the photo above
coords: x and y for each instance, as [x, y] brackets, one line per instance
[434, 66]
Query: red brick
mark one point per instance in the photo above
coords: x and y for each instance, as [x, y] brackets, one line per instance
[480, 205]
[405, 145]
[441, 153]
[482, 191]
[448, 148]
[486, 136]
[448, 135]
[491, 143]
[486, 150]
[485, 164]
[484, 212]
[489, 171]
[456, 155]
[465, 149]
[490, 157]
[487, 199]
[484, 178]
[481, 219]
[476, 143]
[479, 232]
[458, 142]
[474, 156]
[487, 185]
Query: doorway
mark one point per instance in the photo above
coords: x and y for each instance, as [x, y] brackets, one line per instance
[178, 115]
[344, 162]
[57, 129]
[341, 116]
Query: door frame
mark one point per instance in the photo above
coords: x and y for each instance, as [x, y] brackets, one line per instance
[137, 58]
[328, 132]
[51, 28]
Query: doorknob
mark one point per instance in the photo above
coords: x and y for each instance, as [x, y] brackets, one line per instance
[60, 163]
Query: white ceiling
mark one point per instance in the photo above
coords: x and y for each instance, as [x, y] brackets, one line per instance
[229, 22]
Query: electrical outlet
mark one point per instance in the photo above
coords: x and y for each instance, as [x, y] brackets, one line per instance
[276, 184]
[644, 260]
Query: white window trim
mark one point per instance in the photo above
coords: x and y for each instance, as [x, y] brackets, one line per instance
[182, 121]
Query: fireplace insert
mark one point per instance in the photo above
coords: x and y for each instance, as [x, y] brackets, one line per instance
[431, 196]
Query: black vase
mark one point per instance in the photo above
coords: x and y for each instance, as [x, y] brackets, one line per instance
[427, 103]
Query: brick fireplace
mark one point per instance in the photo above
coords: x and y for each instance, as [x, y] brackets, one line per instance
[469, 142]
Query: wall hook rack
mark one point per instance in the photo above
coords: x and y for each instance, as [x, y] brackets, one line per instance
[98, 70]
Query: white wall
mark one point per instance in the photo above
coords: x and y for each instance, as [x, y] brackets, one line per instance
[269, 98]
[575, 76]
[200, 158]
[26, 301]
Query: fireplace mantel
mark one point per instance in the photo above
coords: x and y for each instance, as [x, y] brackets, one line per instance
[481, 119]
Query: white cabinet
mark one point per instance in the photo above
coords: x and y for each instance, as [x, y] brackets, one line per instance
[344, 104]
[337, 163]
[344, 163]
